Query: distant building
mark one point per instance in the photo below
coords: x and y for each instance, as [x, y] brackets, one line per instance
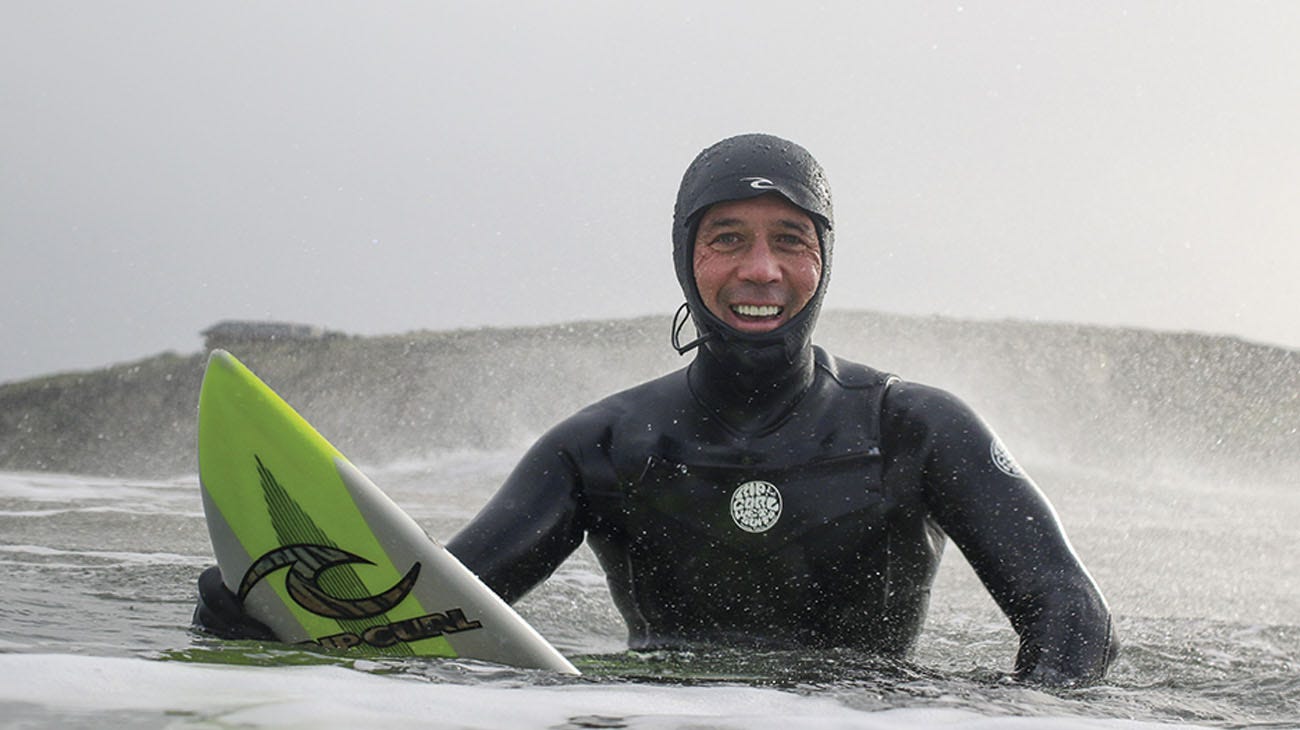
[236, 332]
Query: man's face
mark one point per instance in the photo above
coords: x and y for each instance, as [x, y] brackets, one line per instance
[757, 262]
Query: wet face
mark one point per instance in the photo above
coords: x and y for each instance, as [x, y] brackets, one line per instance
[757, 262]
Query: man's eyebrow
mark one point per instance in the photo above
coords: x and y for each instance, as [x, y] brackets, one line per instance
[732, 222]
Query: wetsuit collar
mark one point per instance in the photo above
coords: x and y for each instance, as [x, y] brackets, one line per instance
[748, 396]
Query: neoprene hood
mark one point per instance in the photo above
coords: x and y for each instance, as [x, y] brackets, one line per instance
[737, 168]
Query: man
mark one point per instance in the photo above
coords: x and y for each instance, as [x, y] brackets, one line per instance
[769, 494]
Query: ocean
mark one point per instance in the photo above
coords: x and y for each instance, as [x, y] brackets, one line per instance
[1196, 556]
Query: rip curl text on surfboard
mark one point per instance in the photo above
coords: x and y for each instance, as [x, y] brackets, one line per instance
[407, 630]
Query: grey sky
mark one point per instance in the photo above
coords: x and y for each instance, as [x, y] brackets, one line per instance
[382, 167]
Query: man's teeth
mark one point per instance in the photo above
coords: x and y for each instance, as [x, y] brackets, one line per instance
[752, 310]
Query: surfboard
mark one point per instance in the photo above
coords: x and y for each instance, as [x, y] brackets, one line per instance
[321, 555]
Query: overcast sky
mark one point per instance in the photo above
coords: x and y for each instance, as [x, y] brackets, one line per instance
[385, 167]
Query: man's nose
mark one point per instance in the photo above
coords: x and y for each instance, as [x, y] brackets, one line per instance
[760, 264]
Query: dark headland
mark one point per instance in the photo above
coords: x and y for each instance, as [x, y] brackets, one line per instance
[1083, 394]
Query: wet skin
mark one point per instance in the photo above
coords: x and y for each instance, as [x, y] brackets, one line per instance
[757, 262]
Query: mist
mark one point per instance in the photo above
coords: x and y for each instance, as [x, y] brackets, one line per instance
[408, 166]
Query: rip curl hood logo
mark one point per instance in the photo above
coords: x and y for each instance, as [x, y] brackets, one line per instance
[1003, 460]
[759, 183]
[306, 564]
[756, 506]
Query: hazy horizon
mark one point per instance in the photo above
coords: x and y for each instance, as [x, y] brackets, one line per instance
[397, 167]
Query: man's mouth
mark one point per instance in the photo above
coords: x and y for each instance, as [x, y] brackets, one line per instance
[756, 311]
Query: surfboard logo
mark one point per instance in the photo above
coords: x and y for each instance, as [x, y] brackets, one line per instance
[306, 564]
[756, 506]
[408, 630]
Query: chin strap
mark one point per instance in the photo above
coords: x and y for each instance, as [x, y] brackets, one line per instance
[680, 319]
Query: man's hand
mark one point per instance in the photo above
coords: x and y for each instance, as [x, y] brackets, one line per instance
[221, 613]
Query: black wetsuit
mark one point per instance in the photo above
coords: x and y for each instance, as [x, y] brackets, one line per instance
[871, 474]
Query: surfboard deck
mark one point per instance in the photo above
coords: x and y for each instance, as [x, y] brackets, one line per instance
[321, 555]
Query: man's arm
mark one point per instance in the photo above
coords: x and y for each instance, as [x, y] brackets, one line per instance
[532, 523]
[1011, 536]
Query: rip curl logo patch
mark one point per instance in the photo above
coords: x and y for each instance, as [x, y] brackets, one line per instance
[759, 183]
[1003, 460]
[756, 506]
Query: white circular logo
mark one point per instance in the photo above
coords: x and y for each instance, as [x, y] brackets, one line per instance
[756, 506]
[1003, 460]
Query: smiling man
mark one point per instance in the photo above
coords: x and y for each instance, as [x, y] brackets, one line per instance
[770, 494]
[757, 262]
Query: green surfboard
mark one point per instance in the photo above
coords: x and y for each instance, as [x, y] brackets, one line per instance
[321, 555]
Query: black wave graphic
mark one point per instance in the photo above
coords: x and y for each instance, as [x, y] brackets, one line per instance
[306, 564]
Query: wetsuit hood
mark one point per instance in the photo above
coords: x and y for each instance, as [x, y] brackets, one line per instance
[737, 168]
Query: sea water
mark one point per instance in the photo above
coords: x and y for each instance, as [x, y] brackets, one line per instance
[98, 576]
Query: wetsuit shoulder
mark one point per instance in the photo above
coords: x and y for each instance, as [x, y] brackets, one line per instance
[538, 517]
[912, 402]
[935, 427]
[851, 375]
[647, 397]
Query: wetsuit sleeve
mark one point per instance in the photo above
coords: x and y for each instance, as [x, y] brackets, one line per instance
[1010, 535]
[532, 523]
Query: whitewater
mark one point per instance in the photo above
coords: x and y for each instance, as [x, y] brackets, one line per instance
[1195, 555]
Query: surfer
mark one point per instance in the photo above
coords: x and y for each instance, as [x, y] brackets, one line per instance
[770, 494]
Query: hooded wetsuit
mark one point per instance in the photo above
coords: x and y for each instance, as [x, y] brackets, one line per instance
[772, 495]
